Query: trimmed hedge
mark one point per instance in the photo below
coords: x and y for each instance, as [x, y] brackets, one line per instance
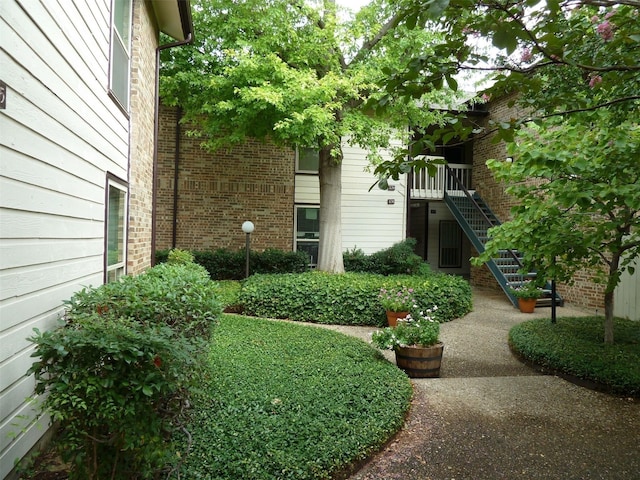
[349, 298]
[223, 264]
[575, 346]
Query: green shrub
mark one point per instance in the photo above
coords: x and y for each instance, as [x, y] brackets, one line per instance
[223, 264]
[180, 296]
[178, 256]
[348, 299]
[273, 260]
[115, 387]
[291, 402]
[575, 346]
[357, 261]
[398, 259]
[119, 371]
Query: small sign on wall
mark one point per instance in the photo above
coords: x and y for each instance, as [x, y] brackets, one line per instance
[3, 95]
[391, 201]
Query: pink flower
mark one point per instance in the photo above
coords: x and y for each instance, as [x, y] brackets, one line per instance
[595, 19]
[485, 97]
[595, 80]
[609, 15]
[605, 30]
[526, 55]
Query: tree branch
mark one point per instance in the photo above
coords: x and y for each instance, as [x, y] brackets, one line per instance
[372, 42]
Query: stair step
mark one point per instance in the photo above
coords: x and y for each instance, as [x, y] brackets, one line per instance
[476, 219]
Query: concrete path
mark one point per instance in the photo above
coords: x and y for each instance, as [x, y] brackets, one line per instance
[489, 417]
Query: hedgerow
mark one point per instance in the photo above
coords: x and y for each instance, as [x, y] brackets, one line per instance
[350, 298]
[575, 346]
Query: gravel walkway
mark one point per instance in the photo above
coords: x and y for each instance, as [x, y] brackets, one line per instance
[489, 417]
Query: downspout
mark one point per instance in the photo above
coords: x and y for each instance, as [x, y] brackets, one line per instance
[156, 130]
[176, 177]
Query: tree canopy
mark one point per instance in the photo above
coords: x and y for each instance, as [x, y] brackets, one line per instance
[300, 73]
[575, 66]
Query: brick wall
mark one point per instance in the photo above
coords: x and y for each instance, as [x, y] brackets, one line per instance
[143, 68]
[584, 291]
[218, 191]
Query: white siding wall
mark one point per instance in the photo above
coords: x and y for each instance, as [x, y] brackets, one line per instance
[59, 135]
[369, 222]
[627, 295]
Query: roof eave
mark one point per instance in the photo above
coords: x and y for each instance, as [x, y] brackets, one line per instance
[174, 18]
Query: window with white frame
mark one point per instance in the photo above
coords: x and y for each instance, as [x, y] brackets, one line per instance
[119, 61]
[307, 228]
[307, 160]
[115, 230]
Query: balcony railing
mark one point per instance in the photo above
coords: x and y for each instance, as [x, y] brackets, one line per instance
[432, 188]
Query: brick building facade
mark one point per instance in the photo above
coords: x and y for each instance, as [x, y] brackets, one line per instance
[143, 71]
[584, 291]
[217, 192]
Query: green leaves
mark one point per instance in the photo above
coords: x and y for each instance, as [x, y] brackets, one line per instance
[574, 346]
[350, 298]
[119, 370]
[291, 402]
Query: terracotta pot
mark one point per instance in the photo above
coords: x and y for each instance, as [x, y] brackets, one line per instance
[527, 305]
[392, 317]
[420, 362]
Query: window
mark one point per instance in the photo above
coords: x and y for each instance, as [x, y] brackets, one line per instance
[450, 244]
[119, 71]
[307, 229]
[115, 230]
[307, 160]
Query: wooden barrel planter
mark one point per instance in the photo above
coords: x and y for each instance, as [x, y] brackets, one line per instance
[420, 362]
[393, 317]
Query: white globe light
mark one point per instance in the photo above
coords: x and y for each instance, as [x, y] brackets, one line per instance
[248, 227]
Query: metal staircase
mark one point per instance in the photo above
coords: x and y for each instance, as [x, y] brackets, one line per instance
[476, 218]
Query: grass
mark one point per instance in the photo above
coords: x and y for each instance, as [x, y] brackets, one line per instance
[291, 401]
[575, 346]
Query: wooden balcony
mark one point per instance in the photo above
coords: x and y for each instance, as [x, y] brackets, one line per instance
[432, 188]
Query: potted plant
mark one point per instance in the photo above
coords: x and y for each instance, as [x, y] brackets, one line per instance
[416, 343]
[397, 302]
[527, 294]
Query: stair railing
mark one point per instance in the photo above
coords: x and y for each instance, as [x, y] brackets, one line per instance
[464, 189]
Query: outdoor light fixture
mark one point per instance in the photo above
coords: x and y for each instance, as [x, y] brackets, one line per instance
[248, 228]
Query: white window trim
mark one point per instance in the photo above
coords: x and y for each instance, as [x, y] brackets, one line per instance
[295, 229]
[115, 182]
[114, 36]
[298, 169]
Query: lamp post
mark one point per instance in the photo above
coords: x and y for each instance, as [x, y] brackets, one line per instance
[247, 227]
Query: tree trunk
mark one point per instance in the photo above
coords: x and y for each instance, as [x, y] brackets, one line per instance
[330, 251]
[614, 264]
[608, 317]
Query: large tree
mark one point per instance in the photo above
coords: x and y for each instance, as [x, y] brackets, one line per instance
[575, 65]
[299, 73]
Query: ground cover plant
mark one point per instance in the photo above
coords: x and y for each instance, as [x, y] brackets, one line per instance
[290, 401]
[574, 346]
[349, 298]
